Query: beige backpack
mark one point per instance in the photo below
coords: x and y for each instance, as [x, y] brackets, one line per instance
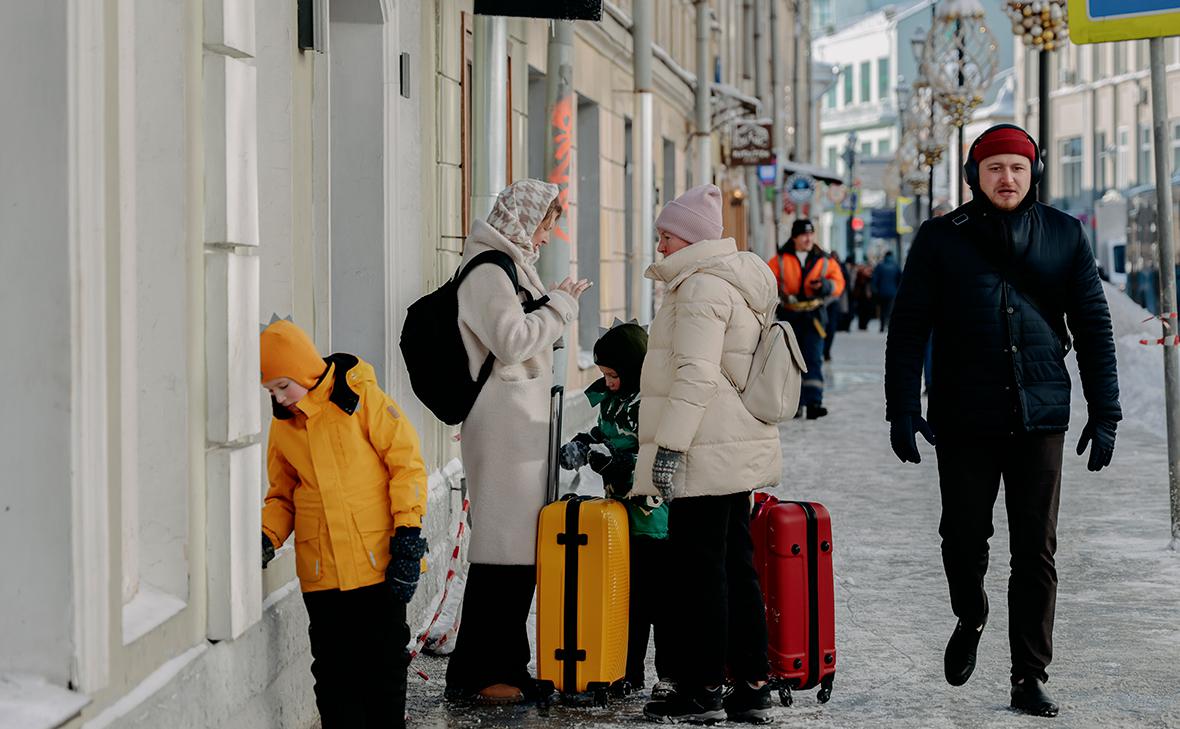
[776, 374]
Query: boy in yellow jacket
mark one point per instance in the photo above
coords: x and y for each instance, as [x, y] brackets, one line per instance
[346, 475]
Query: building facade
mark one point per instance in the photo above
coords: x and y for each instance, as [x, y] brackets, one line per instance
[179, 171]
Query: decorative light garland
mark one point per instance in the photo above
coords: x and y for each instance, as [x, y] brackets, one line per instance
[1041, 24]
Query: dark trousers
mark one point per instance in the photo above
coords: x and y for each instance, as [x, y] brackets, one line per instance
[811, 344]
[834, 317]
[885, 310]
[493, 642]
[358, 657]
[715, 599]
[969, 473]
[648, 609]
[866, 309]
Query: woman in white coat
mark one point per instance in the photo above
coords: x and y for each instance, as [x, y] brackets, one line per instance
[504, 440]
[702, 451]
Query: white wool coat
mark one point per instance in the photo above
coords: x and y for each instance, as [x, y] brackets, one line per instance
[504, 440]
[698, 358]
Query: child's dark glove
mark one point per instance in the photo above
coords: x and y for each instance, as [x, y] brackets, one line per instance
[268, 551]
[572, 455]
[599, 461]
[406, 550]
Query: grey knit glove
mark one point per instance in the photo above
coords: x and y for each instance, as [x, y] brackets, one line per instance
[663, 469]
[572, 455]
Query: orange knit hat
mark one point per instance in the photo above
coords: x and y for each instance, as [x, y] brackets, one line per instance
[287, 351]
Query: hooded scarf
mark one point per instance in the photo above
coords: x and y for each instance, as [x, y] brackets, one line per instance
[622, 349]
[520, 210]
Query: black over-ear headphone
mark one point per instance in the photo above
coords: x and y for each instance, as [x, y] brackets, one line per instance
[971, 167]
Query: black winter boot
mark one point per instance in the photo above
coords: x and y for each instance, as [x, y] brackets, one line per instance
[702, 706]
[1028, 695]
[959, 659]
[816, 411]
[748, 704]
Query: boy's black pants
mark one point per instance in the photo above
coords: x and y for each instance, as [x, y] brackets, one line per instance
[493, 642]
[969, 473]
[648, 609]
[715, 601]
[358, 651]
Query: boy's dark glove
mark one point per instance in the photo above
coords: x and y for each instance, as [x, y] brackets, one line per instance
[901, 436]
[599, 461]
[587, 439]
[1099, 434]
[406, 550]
[268, 551]
[663, 469]
[572, 455]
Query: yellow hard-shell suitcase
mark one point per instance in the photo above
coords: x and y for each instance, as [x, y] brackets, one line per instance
[583, 588]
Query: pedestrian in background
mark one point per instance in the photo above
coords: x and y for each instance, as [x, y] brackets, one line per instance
[703, 453]
[837, 308]
[996, 281]
[346, 475]
[884, 283]
[504, 440]
[610, 449]
[862, 295]
[806, 278]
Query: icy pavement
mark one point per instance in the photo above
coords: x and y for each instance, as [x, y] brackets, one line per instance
[1117, 649]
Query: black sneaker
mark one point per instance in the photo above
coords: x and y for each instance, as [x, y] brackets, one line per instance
[704, 706]
[959, 659]
[816, 411]
[1028, 695]
[748, 704]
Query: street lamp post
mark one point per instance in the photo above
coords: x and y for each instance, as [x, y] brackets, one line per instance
[1043, 26]
[850, 162]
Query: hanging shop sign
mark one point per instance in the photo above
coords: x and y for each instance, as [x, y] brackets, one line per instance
[1101, 21]
[800, 188]
[751, 143]
[552, 9]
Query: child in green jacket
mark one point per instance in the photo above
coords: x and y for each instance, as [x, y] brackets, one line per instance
[610, 449]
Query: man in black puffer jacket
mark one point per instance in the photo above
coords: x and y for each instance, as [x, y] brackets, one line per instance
[995, 281]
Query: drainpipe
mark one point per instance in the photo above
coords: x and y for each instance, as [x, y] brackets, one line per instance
[489, 114]
[642, 34]
[703, 138]
[554, 264]
[777, 117]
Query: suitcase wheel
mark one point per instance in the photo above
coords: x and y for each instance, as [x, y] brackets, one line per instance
[825, 690]
[784, 697]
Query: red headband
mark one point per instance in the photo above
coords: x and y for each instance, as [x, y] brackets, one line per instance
[1004, 141]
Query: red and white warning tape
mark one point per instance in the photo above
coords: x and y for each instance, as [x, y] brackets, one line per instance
[452, 570]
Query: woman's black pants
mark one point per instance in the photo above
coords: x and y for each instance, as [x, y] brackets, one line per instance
[493, 642]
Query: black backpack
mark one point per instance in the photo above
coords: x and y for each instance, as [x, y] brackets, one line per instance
[433, 350]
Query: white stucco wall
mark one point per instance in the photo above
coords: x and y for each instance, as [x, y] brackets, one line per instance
[35, 321]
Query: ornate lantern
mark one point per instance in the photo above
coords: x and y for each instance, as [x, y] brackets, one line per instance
[1041, 24]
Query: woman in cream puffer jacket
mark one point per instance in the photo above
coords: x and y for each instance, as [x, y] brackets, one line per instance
[703, 452]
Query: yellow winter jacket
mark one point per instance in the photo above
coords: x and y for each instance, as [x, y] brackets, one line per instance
[344, 474]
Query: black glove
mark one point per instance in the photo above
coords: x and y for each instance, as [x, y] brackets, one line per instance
[901, 436]
[663, 469]
[406, 550]
[599, 461]
[1100, 435]
[268, 551]
[587, 439]
[572, 455]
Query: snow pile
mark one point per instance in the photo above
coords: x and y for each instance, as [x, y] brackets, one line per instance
[1141, 367]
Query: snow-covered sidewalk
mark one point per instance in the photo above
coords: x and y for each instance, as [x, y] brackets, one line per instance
[1118, 613]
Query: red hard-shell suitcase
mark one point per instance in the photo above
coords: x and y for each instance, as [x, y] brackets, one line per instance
[793, 556]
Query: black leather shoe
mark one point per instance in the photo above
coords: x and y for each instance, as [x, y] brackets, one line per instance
[959, 659]
[1028, 695]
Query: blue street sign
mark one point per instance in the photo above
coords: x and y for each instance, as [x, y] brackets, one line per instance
[1101, 21]
[767, 174]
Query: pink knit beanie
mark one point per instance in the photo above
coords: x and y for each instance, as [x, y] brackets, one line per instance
[694, 216]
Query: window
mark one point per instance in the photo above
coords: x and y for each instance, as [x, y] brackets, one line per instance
[1145, 158]
[883, 78]
[884, 148]
[830, 97]
[1176, 145]
[866, 149]
[1097, 61]
[1101, 155]
[1071, 167]
[866, 82]
[1122, 171]
[846, 72]
[1172, 50]
[1119, 58]
[834, 155]
[1141, 53]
